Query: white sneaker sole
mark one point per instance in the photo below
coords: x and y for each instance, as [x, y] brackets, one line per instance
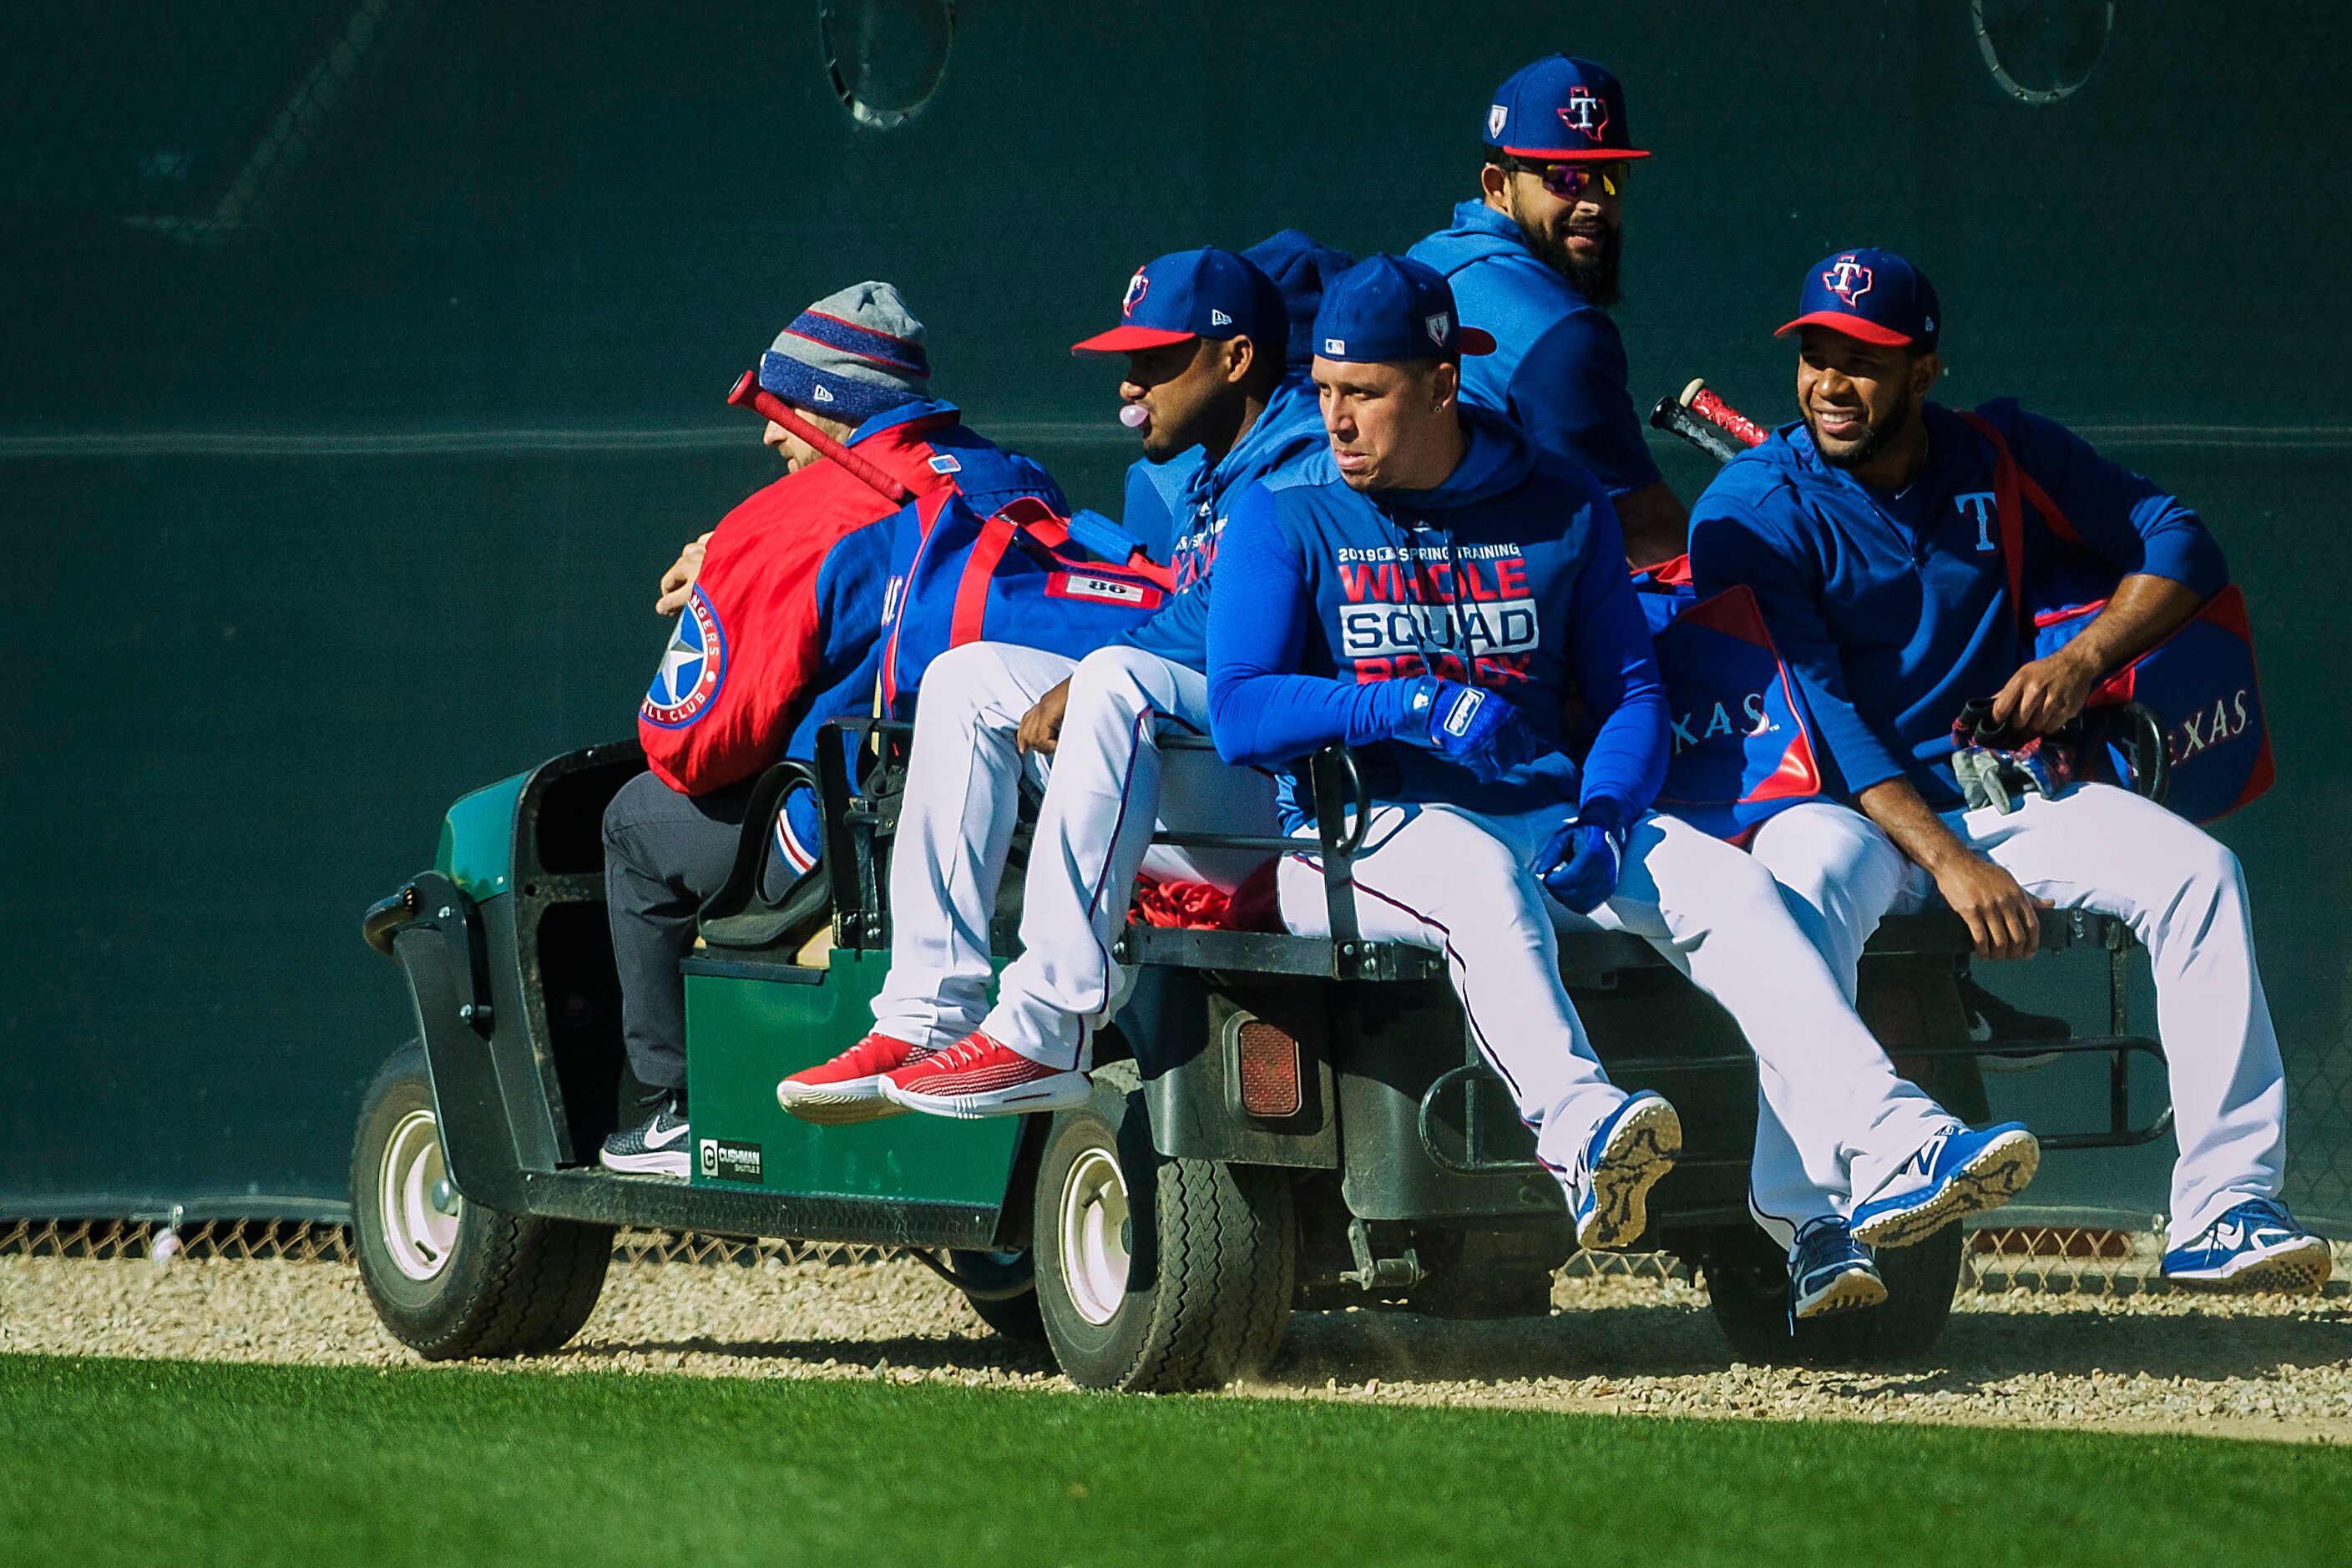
[1062, 1092]
[839, 1104]
[2001, 1169]
[669, 1162]
[1641, 1148]
[1849, 1293]
[2297, 1268]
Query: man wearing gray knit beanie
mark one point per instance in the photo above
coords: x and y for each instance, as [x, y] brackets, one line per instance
[779, 612]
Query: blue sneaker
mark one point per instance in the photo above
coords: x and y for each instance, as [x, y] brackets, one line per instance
[1955, 1173]
[2255, 1246]
[1632, 1147]
[1830, 1272]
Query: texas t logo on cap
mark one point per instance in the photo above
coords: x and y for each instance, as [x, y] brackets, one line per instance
[1586, 111]
[1136, 286]
[1847, 278]
[1495, 116]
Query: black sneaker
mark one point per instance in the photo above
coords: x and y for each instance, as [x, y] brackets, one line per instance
[658, 1146]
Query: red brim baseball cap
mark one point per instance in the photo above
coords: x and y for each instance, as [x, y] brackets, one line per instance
[1861, 327]
[1126, 340]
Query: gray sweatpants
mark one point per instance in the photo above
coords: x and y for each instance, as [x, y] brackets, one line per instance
[663, 853]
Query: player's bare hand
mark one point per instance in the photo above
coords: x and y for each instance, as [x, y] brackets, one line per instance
[680, 577]
[2043, 695]
[1041, 727]
[2002, 917]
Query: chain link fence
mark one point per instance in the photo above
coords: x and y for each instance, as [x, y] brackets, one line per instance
[2050, 1260]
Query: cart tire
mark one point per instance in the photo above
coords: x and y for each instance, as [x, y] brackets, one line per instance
[451, 1279]
[1157, 1274]
[1016, 1317]
[1747, 1286]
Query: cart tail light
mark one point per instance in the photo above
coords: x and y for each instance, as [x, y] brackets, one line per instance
[1268, 1059]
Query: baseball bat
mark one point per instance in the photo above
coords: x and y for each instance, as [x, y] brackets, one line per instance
[749, 394]
[1707, 422]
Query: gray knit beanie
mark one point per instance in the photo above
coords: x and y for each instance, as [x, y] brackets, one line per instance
[850, 356]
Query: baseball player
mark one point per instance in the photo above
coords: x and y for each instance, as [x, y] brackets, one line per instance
[1867, 530]
[1534, 261]
[855, 365]
[1428, 589]
[1204, 332]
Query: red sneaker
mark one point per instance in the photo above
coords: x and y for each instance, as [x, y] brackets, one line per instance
[977, 1077]
[849, 1087]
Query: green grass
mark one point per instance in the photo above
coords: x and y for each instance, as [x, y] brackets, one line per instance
[113, 1461]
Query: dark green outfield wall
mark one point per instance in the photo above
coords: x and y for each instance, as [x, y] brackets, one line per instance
[362, 366]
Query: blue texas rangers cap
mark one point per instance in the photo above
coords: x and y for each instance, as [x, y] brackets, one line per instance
[1871, 294]
[1563, 108]
[1207, 293]
[1391, 308]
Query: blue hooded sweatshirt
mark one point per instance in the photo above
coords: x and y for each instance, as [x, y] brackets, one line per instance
[1300, 265]
[1510, 576]
[1559, 366]
[1893, 610]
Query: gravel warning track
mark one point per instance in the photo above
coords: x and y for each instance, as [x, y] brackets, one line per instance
[2252, 1367]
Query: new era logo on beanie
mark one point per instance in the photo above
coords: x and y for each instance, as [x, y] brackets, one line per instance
[1561, 109]
[1392, 309]
[851, 355]
[1206, 293]
[1871, 294]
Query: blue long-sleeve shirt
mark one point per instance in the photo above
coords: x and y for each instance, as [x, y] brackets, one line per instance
[1558, 366]
[1509, 575]
[1895, 610]
[1289, 428]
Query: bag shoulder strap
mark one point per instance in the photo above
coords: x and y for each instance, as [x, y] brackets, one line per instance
[2012, 491]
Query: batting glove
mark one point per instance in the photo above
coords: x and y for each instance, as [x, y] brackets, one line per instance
[1580, 864]
[1467, 724]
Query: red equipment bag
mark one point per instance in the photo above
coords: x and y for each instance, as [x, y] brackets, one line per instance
[1743, 745]
[1024, 576]
[2202, 681]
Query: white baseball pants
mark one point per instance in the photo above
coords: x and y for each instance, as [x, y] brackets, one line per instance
[2106, 849]
[1441, 877]
[1107, 788]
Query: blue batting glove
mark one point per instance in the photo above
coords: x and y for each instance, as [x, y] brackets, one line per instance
[1580, 863]
[1468, 724]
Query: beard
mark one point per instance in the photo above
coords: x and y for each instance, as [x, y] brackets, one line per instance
[1874, 438]
[1596, 278]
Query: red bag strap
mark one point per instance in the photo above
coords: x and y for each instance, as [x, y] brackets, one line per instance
[978, 569]
[2012, 489]
[1041, 523]
[750, 393]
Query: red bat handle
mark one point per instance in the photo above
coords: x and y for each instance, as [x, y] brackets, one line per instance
[1722, 416]
[750, 393]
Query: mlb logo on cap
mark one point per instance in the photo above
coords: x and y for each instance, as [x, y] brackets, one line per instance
[1392, 309]
[1187, 294]
[1872, 295]
[1561, 109]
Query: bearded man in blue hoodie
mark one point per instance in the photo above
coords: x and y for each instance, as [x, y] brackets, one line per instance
[1534, 261]
[1429, 590]
[1204, 335]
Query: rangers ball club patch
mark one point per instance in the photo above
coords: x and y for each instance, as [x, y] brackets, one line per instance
[693, 667]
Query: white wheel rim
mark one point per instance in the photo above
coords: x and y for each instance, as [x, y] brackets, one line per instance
[1095, 1235]
[417, 1233]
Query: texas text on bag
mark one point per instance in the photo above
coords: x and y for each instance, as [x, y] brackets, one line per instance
[1743, 746]
[2201, 681]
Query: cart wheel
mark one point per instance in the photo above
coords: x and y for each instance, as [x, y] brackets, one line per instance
[1156, 1274]
[1003, 1292]
[1747, 1286]
[450, 1278]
